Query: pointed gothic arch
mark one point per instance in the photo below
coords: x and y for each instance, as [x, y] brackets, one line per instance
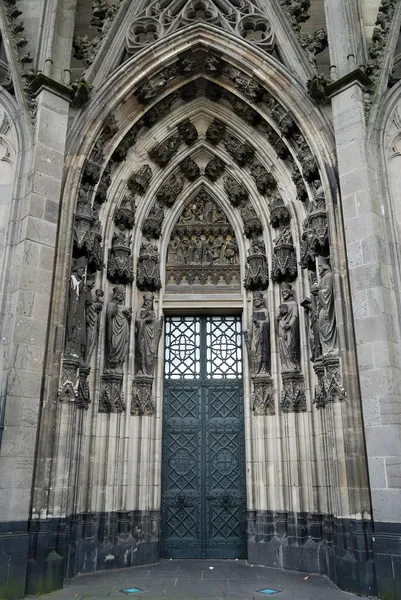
[291, 161]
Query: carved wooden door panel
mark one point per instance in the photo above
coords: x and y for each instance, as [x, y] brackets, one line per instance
[203, 495]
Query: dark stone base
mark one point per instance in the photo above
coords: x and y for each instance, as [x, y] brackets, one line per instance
[387, 548]
[59, 549]
[342, 549]
[14, 543]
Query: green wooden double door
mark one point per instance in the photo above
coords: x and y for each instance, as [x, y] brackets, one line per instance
[203, 482]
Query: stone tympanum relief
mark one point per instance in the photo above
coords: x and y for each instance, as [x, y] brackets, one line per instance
[203, 248]
[147, 335]
[257, 341]
[118, 318]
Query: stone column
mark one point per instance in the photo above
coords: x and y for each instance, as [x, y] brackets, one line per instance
[374, 308]
[30, 287]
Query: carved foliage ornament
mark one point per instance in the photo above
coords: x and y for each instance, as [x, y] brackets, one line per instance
[160, 19]
[236, 191]
[214, 168]
[170, 190]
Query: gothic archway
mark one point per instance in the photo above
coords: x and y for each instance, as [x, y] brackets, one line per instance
[200, 110]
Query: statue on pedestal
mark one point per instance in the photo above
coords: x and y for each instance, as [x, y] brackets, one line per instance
[148, 330]
[326, 316]
[257, 339]
[75, 337]
[118, 318]
[288, 331]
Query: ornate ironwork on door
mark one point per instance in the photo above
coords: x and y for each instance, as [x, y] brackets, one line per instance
[203, 495]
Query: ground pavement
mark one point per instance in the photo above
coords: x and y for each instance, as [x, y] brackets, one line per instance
[199, 579]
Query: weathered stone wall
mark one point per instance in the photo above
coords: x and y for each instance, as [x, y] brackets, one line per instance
[80, 461]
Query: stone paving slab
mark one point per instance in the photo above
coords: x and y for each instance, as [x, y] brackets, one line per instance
[195, 580]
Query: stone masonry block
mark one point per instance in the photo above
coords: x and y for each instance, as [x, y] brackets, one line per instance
[19, 441]
[383, 440]
[39, 230]
[50, 128]
[41, 307]
[45, 185]
[16, 472]
[29, 330]
[46, 258]
[354, 254]
[51, 211]
[354, 181]
[49, 161]
[387, 505]
[28, 357]
[390, 411]
[36, 280]
[393, 469]
[377, 472]
[24, 383]
[372, 329]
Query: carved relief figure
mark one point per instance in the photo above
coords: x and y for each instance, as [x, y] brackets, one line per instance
[288, 330]
[257, 338]
[75, 339]
[203, 240]
[92, 317]
[327, 316]
[118, 319]
[148, 330]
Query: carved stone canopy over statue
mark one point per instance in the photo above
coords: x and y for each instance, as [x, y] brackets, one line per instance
[139, 181]
[237, 193]
[288, 331]
[257, 338]
[257, 272]
[148, 276]
[284, 266]
[169, 191]
[118, 318]
[119, 266]
[152, 226]
[203, 245]
[252, 223]
[326, 317]
[147, 331]
[125, 213]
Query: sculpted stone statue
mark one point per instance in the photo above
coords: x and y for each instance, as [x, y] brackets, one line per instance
[326, 316]
[288, 331]
[92, 316]
[257, 339]
[148, 330]
[118, 319]
[75, 338]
